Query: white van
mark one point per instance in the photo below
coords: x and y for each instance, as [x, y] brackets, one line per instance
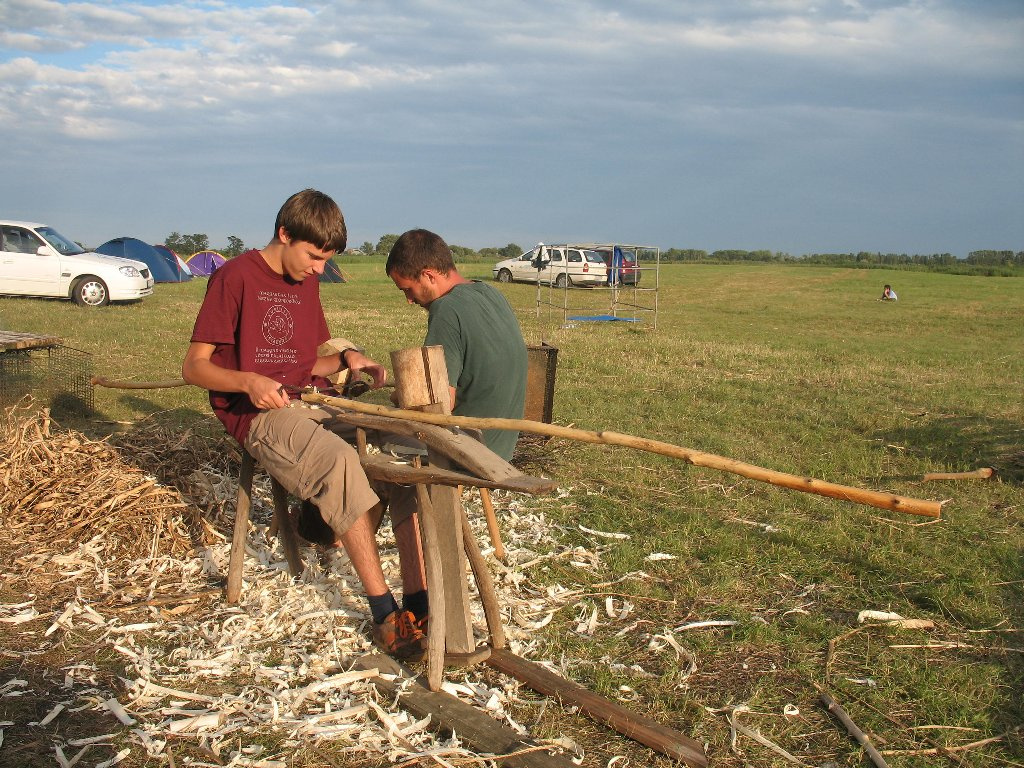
[560, 265]
[36, 260]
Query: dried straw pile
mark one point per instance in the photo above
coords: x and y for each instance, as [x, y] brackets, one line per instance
[58, 487]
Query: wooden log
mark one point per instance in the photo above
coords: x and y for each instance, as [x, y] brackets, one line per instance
[977, 474]
[421, 381]
[448, 714]
[697, 458]
[637, 727]
[421, 377]
[862, 738]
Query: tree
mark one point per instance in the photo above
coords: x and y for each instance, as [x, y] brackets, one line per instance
[367, 248]
[186, 245]
[385, 244]
[235, 247]
[461, 253]
[511, 251]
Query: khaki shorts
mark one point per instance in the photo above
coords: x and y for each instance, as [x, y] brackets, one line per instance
[312, 462]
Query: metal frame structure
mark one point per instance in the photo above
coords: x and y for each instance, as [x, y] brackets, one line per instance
[625, 301]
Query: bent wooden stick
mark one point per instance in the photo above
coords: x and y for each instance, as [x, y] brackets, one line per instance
[102, 381]
[697, 458]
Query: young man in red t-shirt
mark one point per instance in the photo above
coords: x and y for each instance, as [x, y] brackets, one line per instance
[256, 335]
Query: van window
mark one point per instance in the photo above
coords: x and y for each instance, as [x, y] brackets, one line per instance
[575, 257]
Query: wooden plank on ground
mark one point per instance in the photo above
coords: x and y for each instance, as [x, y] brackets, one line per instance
[637, 727]
[447, 713]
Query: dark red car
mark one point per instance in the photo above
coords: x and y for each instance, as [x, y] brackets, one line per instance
[620, 265]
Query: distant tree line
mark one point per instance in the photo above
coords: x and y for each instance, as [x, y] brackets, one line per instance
[977, 262]
[186, 245]
[459, 252]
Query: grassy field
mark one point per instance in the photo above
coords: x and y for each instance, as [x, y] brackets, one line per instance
[796, 369]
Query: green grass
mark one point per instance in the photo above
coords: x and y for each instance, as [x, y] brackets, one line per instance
[797, 369]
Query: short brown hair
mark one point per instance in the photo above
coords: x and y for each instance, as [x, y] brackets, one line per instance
[315, 218]
[416, 250]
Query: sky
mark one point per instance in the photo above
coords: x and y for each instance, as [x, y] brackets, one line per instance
[792, 126]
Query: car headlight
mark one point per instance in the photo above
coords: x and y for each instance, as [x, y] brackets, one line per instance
[129, 271]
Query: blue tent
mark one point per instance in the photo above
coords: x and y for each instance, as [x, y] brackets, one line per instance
[332, 273]
[175, 261]
[133, 248]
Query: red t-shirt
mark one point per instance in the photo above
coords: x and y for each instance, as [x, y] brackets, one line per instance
[263, 322]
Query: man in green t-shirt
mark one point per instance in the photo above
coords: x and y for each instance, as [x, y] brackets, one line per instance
[483, 346]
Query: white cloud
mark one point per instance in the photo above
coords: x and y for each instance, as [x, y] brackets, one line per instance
[479, 98]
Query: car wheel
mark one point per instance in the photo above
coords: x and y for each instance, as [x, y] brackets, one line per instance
[504, 276]
[562, 280]
[90, 291]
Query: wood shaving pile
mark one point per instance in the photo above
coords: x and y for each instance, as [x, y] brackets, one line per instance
[63, 486]
[249, 684]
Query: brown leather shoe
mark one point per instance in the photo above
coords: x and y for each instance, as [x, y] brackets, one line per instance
[399, 636]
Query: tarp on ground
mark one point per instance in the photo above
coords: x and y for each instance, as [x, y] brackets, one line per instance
[133, 248]
[176, 262]
[205, 263]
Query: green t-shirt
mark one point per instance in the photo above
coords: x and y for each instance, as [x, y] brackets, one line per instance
[485, 354]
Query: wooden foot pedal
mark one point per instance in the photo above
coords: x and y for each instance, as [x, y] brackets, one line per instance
[448, 713]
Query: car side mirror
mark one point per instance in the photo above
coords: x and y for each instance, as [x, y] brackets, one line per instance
[42, 251]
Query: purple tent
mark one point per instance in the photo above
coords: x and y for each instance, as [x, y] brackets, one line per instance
[205, 263]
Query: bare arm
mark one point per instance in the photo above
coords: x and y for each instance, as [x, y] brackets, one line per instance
[199, 369]
[355, 361]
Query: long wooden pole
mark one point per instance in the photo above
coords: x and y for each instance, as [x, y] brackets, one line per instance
[889, 501]
[697, 458]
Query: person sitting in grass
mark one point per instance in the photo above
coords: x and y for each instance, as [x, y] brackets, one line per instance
[888, 294]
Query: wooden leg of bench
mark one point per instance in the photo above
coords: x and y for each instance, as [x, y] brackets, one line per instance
[484, 584]
[242, 505]
[435, 583]
[285, 526]
[492, 524]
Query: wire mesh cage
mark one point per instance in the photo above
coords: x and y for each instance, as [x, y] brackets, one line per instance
[54, 375]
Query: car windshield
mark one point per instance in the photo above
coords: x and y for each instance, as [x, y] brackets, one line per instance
[58, 241]
[594, 257]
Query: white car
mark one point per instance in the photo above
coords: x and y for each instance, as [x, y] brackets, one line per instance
[36, 260]
[560, 266]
